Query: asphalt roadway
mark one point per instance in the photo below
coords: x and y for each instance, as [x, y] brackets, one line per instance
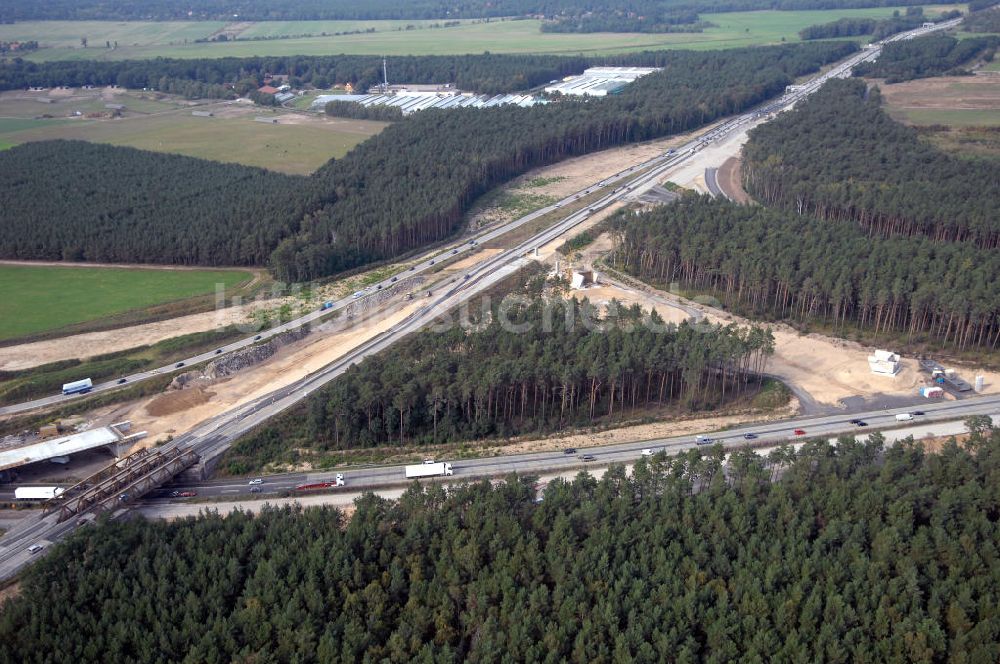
[210, 438]
[431, 260]
[769, 433]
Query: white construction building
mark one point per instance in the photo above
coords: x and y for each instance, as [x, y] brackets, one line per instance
[884, 363]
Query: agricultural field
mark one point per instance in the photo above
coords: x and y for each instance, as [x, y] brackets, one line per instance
[511, 36]
[43, 298]
[959, 114]
[296, 144]
[68, 34]
[953, 101]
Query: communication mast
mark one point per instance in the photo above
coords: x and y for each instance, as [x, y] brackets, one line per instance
[385, 77]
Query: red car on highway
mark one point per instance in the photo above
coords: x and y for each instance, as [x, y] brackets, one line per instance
[800, 432]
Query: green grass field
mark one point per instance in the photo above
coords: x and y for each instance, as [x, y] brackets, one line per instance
[41, 298]
[521, 36]
[296, 145]
[67, 34]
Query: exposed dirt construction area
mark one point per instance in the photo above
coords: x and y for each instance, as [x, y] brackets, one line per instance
[25, 356]
[729, 181]
[177, 411]
[175, 401]
[826, 369]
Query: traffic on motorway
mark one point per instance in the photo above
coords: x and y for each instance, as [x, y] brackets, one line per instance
[433, 260]
[210, 438]
[763, 434]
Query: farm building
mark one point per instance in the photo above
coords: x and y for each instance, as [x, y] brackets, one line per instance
[268, 90]
[410, 102]
[599, 81]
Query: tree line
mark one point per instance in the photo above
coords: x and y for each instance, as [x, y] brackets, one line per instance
[838, 156]
[299, 10]
[982, 21]
[400, 190]
[75, 200]
[617, 21]
[228, 77]
[846, 552]
[779, 264]
[934, 55]
[878, 28]
[411, 184]
[356, 111]
[539, 365]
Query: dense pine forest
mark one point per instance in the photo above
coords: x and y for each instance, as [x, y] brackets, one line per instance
[982, 21]
[228, 77]
[400, 190]
[780, 264]
[838, 156]
[858, 553]
[432, 167]
[877, 28]
[928, 56]
[269, 10]
[74, 200]
[522, 370]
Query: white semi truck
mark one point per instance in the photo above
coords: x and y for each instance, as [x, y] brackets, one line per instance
[78, 387]
[428, 470]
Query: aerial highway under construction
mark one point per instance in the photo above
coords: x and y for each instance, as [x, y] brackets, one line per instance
[211, 438]
[619, 187]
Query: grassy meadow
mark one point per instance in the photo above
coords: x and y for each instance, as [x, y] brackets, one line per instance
[297, 144]
[41, 298]
[61, 39]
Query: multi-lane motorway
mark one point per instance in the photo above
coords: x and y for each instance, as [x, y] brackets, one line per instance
[535, 463]
[212, 437]
[615, 186]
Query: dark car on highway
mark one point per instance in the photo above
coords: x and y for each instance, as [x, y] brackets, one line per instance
[218, 351]
[917, 412]
[587, 457]
[861, 423]
[569, 450]
[178, 365]
[122, 380]
[750, 436]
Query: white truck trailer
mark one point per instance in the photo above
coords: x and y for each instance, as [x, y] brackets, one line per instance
[37, 492]
[78, 387]
[428, 470]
